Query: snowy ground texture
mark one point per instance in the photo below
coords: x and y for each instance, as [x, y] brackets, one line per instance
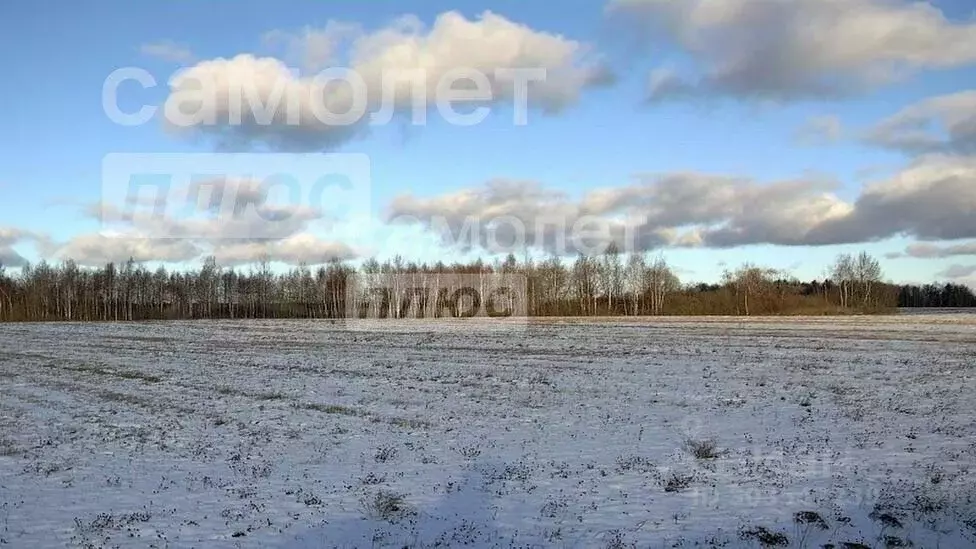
[559, 434]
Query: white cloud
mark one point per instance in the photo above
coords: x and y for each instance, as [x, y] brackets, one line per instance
[10, 258]
[932, 251]
[237, 222]
[684, 209]
[295, 249]
[797, 49]
[956, 272]
[98, 249]
[314, 48]
[453, 42]
[932, 199]
[10, 237]
[939, 124]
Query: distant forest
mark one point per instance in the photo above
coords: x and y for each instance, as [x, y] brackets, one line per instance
[609, 284]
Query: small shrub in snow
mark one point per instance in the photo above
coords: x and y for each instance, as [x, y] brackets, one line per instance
[388, 506]
[807, 522]
[810, 518]
[384, 454]
[703, 449]
[886, 519]
[372, 479]
[469, 452]
[765, 537]
[677, 483]
[615, 540]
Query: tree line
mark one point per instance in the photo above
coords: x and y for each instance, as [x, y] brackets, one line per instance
[934, 295]
[609, 284]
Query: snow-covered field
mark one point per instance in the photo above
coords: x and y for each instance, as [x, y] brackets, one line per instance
[560, 433]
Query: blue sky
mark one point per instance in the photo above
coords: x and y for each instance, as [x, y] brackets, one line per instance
[56, 60]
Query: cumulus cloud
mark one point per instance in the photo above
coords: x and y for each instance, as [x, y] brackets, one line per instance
[687, 210]
[724, 211]
[820, 130]
[11, 236]
[796, 49]
[958, 271]
[268, 222]
[933, 251]
[236, 220]
[221, 208]
[378, 62]
[508, 215]
[938, 124]
[10, 258]
[294, 249]
[313, 48]
[283, 112]
[168, 51]
[932, 199]
[98, 249]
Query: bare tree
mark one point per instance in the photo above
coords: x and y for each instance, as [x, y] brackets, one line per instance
[750, 282]
[634, 277]
[843, 274]
[660, 282]
[5, 297]
[611, 274]
[867, 274]
[552, 282]
[585, 272]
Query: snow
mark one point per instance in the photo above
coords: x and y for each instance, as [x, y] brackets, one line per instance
[565, 433]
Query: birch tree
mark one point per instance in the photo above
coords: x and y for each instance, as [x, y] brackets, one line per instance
[867, 274]
[611, 275]
[660, 281]
[843, 274]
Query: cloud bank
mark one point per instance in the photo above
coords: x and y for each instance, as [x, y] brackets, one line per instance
[932, 199]
[789, 50]
[939, 124]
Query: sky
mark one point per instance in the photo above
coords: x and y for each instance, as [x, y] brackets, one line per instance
[715, 132]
